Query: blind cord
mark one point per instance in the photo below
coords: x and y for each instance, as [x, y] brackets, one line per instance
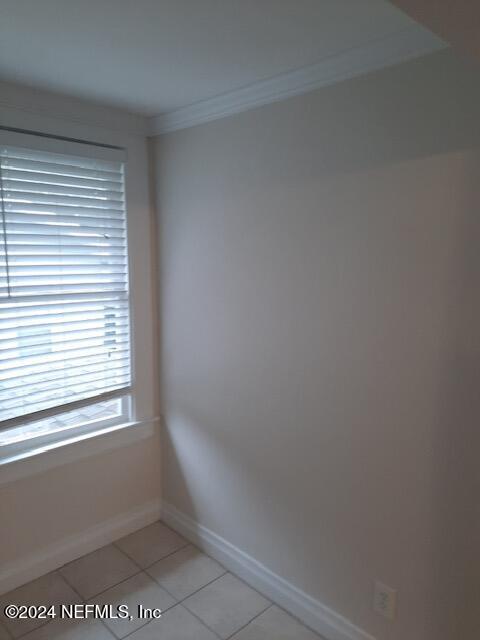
[4, 228]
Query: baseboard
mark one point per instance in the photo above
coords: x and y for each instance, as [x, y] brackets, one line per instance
[54, 556]
[313, 613]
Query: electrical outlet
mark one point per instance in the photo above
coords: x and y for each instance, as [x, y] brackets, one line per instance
[384, 600]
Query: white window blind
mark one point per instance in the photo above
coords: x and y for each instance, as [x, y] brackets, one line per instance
[64, 310]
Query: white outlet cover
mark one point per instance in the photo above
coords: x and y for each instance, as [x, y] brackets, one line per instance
[384, 600]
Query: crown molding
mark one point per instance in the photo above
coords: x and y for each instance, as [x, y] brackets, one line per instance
[396, 48]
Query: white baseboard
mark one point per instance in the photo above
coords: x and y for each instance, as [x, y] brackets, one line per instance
[313, 613]
[54, 556]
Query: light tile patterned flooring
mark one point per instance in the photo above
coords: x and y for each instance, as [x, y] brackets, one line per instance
[157, 568]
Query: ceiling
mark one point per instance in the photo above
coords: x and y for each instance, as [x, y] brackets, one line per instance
[155, 56]
[457, 21]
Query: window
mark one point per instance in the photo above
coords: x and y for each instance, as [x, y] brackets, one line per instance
[64, 303]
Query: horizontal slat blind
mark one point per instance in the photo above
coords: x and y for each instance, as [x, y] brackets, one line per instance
[64, 311]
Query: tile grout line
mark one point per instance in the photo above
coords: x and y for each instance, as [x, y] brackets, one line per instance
[57, 571]
[109, 630]
[4, 628]
[86, 600]
[202, 622]
[249, 622]
[130, 633]
[115, 544]
[23, 635]
[178, 602]
[144, 570]
[170, 553]
[100, 593]
[167, 556]
[238, 578]
[140, 570]
[147, 622]
[270, 604]
[80, 595]
[181, 602]
[193, 592]
[47, 622]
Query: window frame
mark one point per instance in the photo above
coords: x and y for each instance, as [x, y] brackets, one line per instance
[74, 433]
[127, 416]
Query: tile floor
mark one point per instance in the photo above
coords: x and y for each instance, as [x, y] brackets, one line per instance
[157, 568]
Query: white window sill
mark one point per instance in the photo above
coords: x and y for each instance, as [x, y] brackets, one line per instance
[20, 464]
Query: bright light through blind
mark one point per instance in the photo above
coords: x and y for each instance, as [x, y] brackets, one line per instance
[64, 326]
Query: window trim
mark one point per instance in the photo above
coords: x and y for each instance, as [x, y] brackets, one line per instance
[21, 464]
[68, 433]
[38, 444]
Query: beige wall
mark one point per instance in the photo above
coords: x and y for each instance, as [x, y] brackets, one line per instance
[63, 502]
[321, 340]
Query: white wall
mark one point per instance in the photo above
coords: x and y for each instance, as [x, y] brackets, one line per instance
[68, 501]
[319, 284]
